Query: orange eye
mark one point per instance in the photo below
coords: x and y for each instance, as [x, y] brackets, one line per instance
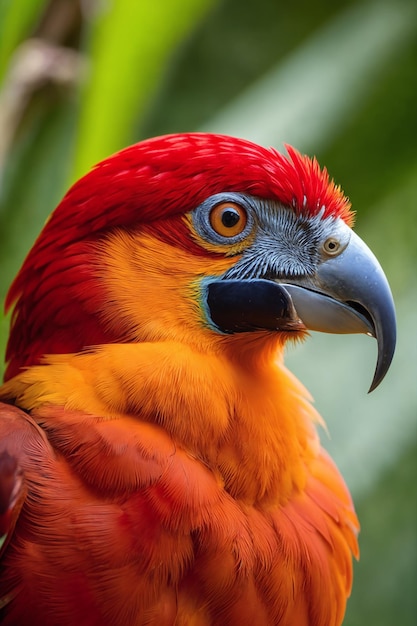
[228, 219]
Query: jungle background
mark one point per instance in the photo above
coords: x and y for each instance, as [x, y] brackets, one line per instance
[79, 80]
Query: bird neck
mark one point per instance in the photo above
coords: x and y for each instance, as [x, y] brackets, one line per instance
[240, 412]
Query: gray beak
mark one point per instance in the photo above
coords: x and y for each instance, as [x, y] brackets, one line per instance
[349, 294]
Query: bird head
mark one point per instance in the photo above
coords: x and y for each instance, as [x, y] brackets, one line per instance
[202, 238]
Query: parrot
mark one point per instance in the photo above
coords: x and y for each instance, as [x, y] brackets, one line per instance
[159, 465]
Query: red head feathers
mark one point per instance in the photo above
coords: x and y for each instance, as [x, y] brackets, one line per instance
[155, 179]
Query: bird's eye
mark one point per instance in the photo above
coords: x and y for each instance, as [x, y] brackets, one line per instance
[228, 219]
[332, 246]
[225, 219]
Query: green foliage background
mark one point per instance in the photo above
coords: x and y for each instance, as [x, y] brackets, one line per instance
[335, 79]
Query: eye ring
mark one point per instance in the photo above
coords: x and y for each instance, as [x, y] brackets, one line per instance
[225, 219]
[332, 246]
[228, 219]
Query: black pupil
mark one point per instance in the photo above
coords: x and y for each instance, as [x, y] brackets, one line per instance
[230, 217]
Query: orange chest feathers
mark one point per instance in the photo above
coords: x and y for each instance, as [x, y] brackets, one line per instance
[224, 522]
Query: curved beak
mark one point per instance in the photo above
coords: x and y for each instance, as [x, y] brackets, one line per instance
[349, 294]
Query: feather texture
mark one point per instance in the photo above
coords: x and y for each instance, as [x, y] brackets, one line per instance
[166, 520]
[157, 473]
[156, 180]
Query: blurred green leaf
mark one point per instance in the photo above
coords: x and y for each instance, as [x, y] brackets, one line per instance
[36, 176]
[385, 577]
[130, 43]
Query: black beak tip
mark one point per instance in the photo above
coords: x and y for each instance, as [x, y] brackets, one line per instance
[386, 349]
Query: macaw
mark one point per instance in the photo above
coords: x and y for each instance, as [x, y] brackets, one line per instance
[158, 463]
